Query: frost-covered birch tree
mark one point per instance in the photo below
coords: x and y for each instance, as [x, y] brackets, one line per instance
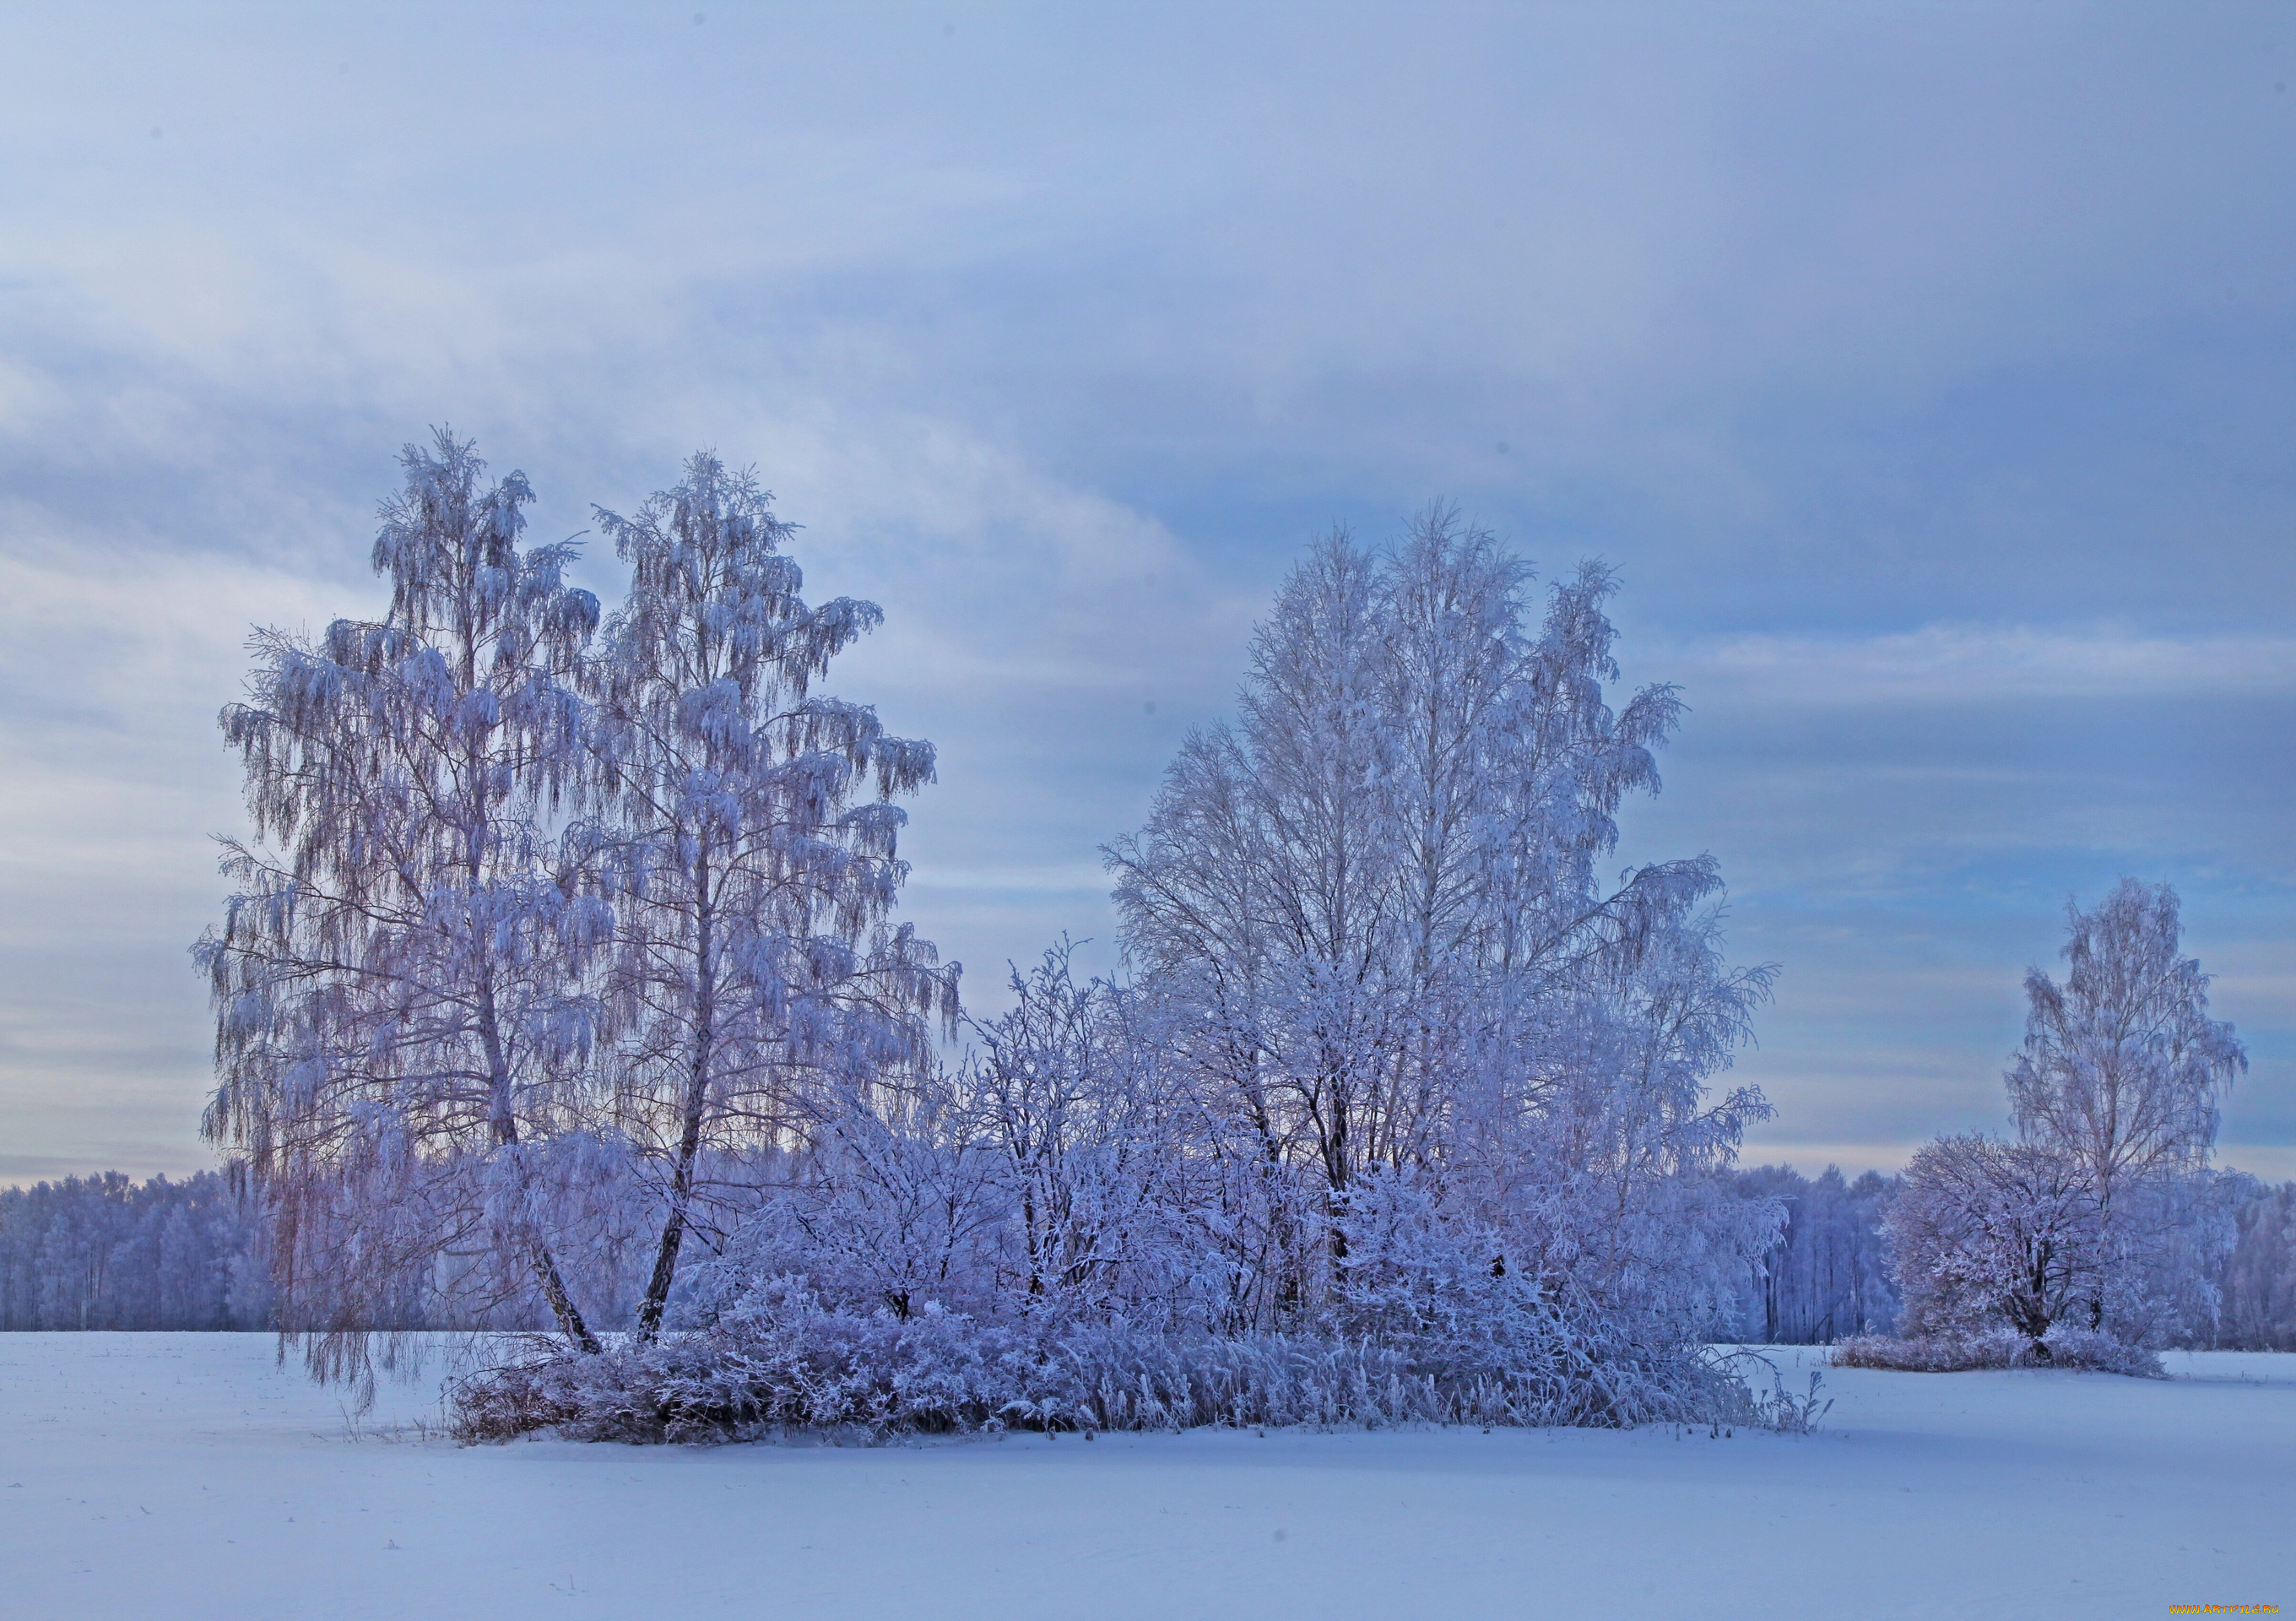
[2122, 1068]
[401, 1016]
[745, 834]
[1377, 895]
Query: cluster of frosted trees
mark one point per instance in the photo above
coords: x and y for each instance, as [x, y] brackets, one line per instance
[102, 1252]
[2096, 1231]
[563, 953]
[545, 918]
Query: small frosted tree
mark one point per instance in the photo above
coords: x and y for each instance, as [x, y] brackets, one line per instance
[2101, 1217]
[1990, 1235]
[400, 1015]
[2122, 1068]
[745, 835]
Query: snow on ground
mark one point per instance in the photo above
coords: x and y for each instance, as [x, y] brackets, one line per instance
[186, 1475]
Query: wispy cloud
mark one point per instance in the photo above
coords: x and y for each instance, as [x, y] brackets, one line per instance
[1977, 663]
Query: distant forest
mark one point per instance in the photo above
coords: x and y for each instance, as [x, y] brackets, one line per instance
[102, 1252]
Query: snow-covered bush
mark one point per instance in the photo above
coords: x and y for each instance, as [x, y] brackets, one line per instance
[786, 1361]
[2062, 1346]
[1928, 1353]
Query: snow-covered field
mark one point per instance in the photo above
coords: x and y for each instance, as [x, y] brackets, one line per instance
[187, 1476]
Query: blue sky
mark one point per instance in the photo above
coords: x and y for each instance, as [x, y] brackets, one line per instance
[1928, 372]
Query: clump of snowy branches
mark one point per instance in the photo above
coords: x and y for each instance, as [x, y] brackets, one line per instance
[1419, 1331]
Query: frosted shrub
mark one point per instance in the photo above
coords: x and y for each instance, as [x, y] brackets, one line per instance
[2072, 1346]
[1417, 1326]
[2063, 1347]
[1927, 1353]
[784, 1361]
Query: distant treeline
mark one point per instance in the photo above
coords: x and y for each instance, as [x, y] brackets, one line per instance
[102, 1252]
[2259, 1280]
[1827, 1277]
